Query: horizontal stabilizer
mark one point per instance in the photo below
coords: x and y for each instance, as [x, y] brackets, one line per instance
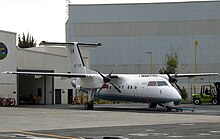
[70, 43]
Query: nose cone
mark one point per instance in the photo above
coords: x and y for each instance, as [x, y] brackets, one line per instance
[176, 95]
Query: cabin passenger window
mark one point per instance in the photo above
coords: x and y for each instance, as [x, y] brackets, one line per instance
[131, 87]
[162, 83]
[152, 83]
[135, 87]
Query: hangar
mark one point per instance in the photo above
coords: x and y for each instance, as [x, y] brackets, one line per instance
[129, 30]
[44, 90]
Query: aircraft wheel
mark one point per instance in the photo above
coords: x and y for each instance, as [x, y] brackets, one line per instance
[152, 105]
[214, 101]
[197, 101]
[4, 102]
[168, 108]
[89, 106]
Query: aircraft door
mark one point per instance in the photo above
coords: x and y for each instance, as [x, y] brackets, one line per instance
[58, 96]
[135, 89]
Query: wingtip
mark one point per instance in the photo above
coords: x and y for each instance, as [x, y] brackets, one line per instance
[6, 72]
[99, 44]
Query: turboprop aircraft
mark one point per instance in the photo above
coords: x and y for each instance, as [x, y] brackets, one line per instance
[154, 89]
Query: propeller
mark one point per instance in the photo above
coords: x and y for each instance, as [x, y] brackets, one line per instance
[173, 80]
[107, 79]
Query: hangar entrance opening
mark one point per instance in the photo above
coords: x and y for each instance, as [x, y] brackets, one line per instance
[35, 90]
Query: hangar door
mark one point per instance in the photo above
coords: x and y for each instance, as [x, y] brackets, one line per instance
[35, 90]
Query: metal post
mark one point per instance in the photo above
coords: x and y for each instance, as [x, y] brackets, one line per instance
[196, 44]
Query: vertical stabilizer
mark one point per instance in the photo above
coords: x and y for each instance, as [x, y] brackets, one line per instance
[75, 59]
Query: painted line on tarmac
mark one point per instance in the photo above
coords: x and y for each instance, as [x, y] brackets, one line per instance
[48, 135]
[38, 134]
[6, 131]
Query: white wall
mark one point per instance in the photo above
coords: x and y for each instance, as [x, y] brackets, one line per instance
[8, 83]
[49, 58]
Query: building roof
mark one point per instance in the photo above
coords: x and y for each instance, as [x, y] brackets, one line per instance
[136, 3]
[7, 32]
[58, 51]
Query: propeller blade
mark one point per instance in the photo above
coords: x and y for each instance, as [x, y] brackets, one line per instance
[99, 91]
[116, 87]
[171, 79]
[109, 75]
[178, 87]
[105, 79]
[100, 74]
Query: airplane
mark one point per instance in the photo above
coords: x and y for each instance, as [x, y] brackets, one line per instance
[154, 89]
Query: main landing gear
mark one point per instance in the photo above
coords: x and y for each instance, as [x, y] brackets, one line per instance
[152, 105]
[93, 92]
[89, 105]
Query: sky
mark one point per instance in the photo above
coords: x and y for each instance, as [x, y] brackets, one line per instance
[45, 19]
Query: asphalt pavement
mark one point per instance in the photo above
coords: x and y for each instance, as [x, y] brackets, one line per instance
[108, 121]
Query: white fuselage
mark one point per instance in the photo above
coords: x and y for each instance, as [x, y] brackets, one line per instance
[134, 88]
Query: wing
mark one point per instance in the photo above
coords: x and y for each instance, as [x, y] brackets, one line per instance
[68, 75]
[191, 75]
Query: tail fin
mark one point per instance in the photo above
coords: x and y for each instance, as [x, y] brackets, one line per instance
[74, 54]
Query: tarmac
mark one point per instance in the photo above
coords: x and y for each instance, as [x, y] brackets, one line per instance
[108, 121]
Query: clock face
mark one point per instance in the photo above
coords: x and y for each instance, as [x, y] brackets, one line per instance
[3, 51]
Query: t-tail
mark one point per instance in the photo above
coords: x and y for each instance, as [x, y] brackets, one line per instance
[75, 58]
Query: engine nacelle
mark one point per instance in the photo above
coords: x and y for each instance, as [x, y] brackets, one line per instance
[78, 87]
[73, 83]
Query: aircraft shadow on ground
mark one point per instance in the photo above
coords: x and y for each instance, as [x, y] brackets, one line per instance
[118, 108]
[133, 108]
[138, 108]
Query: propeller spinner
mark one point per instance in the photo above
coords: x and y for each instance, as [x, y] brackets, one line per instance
[173, 80]
[107, 79]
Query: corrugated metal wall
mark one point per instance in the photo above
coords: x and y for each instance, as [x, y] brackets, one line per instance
[128, 31]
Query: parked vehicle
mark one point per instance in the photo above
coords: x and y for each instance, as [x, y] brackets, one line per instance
[208, 94]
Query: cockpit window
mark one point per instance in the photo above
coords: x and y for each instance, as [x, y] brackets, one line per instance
[162, 83]
[152, 83]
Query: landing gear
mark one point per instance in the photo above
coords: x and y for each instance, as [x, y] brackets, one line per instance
[89, 105]
[152, 105]
[168, 108]
[91, 95]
